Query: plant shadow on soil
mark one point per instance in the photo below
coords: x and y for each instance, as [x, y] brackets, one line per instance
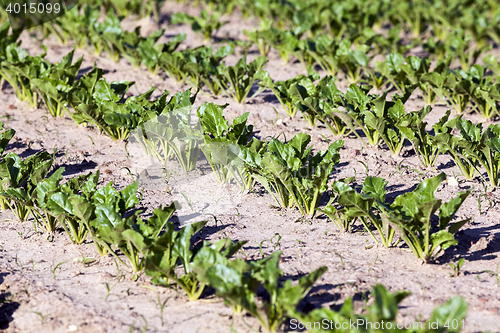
[74, 169]
[30, 152]
[466, 239]
[7, 306]
[450, 164]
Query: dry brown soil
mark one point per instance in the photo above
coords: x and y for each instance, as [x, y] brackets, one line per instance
[46, 288]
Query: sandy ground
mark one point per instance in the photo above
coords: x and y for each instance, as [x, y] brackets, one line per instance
[46, 288]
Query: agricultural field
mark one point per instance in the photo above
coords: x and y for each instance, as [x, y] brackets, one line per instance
[251, 166]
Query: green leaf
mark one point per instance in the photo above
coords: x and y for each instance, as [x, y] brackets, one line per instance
[454, 309]
[449, 209]
[375, 187]
[385, 306]
[212, 119]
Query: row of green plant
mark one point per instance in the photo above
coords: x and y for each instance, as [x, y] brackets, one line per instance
[350, 54]
[456, 88]
[56, 84]
[201, 67]
[411, 215]
[85, 28]
[348, 18]
[381, 120]
[141, 8]
[172, 256]
[332, 55]
[119, 8]
[295, 177]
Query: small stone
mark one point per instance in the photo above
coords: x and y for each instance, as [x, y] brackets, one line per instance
[452, 181]
[108, 172]
[72, 328]
[356, 152]
[279, 121]
[480, 245]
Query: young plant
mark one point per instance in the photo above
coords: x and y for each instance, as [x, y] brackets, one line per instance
[411, 214]
[110, 223]
[97, 101]
[457, 267]
[291, 174]
[483, 92]
[415, 67]
[483, 147]
[206, 25]
[362, 206]
[174, 247]
[392, 70]
[164, 129]
[282, 91]
[450, 87]
[460, 45]
[144, 50]
[203, 67]
[19, 69]
[342, 221]
[378, 118]
[357, 105]
[387, 118]
[332, 56]
[319, 102]
[237, 80]
[61, 209]
[19, 178]
[223, 143]
[449, 144]
[44, 213]
[264, 37]
[139, 235]
[238, 283]
[5, 138]
[55, 84]
[422, 142]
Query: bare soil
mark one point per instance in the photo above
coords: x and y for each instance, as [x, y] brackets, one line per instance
[46, 288]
